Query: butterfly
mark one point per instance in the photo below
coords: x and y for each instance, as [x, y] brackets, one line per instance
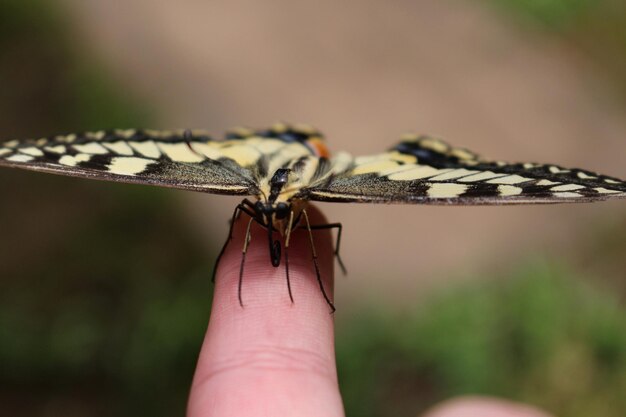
[285, 166]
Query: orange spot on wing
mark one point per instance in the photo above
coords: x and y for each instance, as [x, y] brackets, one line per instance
[319, 147]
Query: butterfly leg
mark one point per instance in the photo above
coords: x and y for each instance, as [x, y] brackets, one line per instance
[241, 208]
[246, 241]
[289, 227]
[317, 269]
[249, 205]
[339, 228]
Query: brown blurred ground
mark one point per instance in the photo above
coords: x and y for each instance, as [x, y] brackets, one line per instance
[364, 72]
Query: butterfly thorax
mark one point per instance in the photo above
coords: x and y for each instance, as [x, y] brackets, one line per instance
[283, 183]
[277, 209]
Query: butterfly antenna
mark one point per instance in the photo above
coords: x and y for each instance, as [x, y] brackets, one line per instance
[317, 269]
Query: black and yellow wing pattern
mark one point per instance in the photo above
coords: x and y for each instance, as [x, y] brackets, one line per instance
[426, 170]
[161, 158]
[420, 169]
[185, 159]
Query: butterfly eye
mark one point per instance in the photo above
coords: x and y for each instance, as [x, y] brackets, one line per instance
[282, 209]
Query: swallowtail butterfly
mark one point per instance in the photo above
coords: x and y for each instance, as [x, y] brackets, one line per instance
[286, 166]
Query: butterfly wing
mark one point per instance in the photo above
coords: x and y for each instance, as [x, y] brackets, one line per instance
[180, 159]
[135, 156]
[426, 170]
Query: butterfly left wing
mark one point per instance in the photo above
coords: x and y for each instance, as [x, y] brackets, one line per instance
[426, 170]
[186, 159]
[176, 159]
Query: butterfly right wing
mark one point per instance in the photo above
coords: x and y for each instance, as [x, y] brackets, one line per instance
[426, 170]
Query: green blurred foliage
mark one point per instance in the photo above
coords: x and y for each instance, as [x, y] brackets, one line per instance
[543, 336]
[104, 292]
[110, 309]
[556, 14]
[596, 28]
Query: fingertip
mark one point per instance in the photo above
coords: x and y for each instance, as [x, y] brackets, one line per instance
[261, 283]
[270, 351]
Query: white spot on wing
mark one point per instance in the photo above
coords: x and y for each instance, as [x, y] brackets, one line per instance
[208, 150]
[128, 165]
[610, 181]
[119, 147]
[56, 149]
[509, 179]
[584, 176]
[269, 146]
[463, 154]
[453, 174]
[20, 158]
[395, 170]
[125, 133]
[72, 161]
[567, 187]
[547, 182]
[419, 172]
[4, 151]
[603, 190]
[402, 157]
[481, 176]
[243, 155]
[91, 148]
[11, 143]
[66, 139]
[180, 152]
[375, 167]
[435, 144]
[557, 170]
[446, 190]
[509, 190]
[32, 151]
[99, 135]
[147, 148]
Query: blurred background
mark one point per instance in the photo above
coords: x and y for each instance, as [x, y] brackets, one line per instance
[105, 288]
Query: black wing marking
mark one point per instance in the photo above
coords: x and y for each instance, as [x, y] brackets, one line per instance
[425, 170]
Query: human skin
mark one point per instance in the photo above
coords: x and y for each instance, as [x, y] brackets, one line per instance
[275, 358]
